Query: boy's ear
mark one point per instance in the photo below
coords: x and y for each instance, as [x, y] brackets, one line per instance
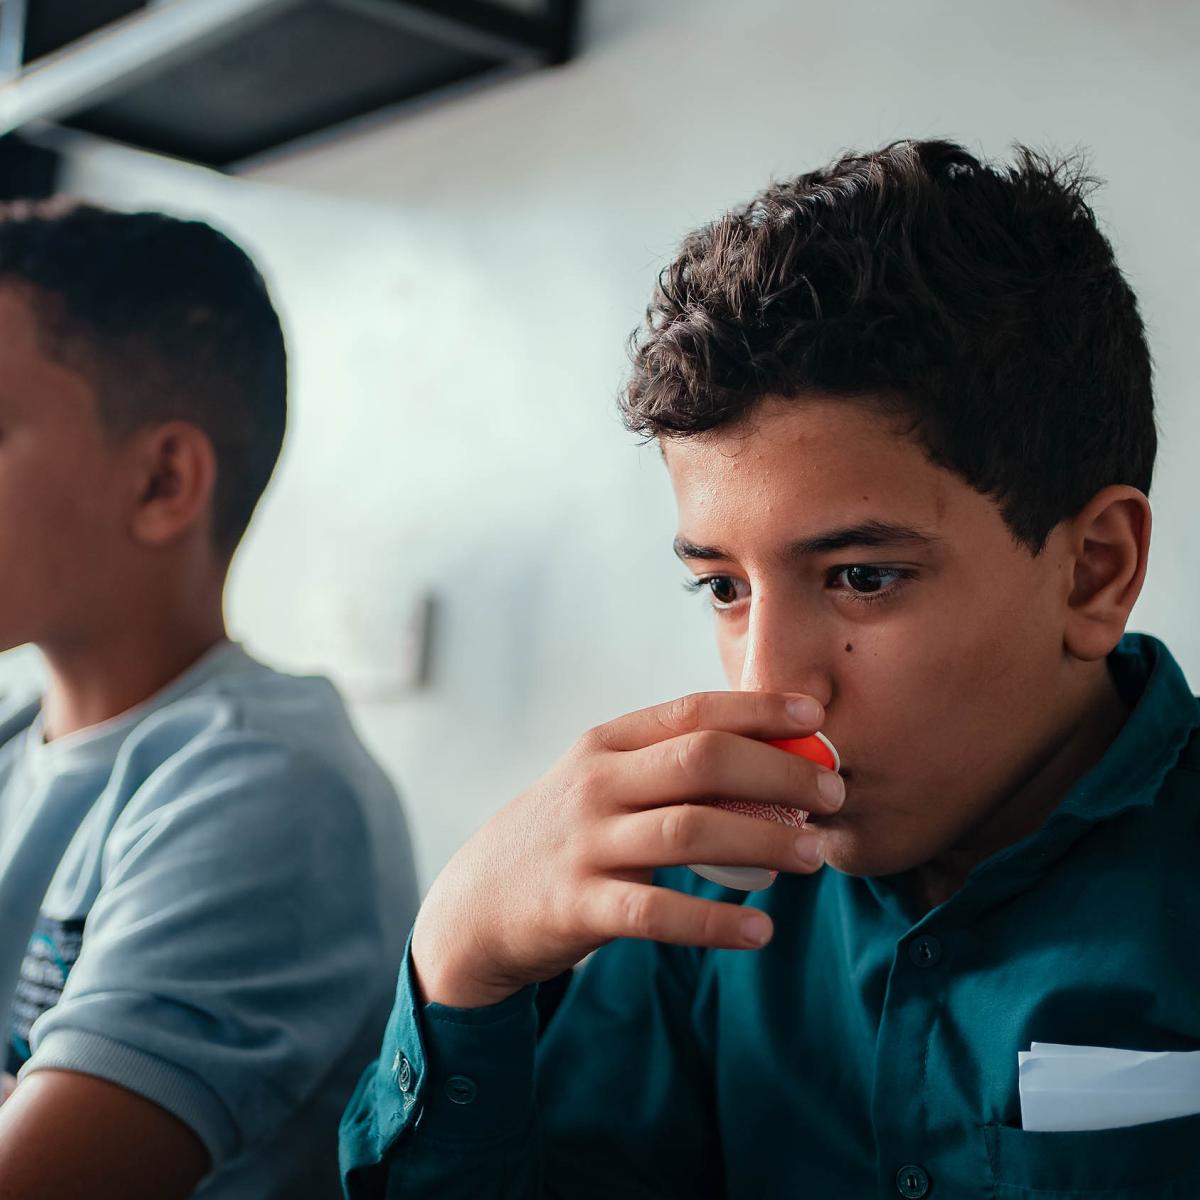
[177, 474]
[1108, 543]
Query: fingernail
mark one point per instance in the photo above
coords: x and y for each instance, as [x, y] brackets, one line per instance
[831, 788]
[804, 710]
[756, 929]
[810, 852]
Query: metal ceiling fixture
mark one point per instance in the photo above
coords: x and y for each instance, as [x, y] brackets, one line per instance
[222, 81]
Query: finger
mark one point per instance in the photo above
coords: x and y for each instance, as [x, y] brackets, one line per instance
[690, 833]
[712, 765]
[752, 714]
[641, 910]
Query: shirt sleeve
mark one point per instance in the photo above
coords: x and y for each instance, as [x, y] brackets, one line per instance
[615, 1099]
[228, 959]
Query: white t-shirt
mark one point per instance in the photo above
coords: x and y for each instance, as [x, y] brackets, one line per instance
[205, 900]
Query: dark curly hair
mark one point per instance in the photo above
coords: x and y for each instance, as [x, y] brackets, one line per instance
[979, 300]
[168, 320]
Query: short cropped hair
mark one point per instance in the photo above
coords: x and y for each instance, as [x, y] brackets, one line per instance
[168, 320]
[980, 300]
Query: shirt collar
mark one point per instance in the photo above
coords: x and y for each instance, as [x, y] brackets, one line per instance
[1163, 718]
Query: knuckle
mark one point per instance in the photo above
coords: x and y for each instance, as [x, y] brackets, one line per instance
[596, 739]
[685, 714]
[572, 849]
[697, 753]
[636, 913]
[579, 913]
[678, 827]
[711, 922]
[589, 783]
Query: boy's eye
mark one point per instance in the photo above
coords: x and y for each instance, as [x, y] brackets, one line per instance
[724, 591]
[866, 584]
[865, 580]
[723, 588]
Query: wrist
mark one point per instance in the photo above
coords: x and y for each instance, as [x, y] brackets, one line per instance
[458, 991]
[441, 978]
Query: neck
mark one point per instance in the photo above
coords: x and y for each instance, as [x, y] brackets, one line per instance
[1025, 809]
[102, 677]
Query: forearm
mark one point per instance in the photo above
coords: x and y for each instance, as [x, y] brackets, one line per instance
[66, 1136]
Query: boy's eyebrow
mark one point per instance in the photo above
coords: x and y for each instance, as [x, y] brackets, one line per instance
[868, 533]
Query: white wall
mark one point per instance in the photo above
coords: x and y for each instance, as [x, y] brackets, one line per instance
[459, 285]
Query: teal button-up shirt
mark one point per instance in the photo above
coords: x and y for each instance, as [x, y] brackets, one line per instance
[868, 1051]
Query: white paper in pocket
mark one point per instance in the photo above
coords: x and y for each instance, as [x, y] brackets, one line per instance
[1092, 1087]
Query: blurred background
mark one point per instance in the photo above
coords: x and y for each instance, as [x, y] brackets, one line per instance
[461, 208]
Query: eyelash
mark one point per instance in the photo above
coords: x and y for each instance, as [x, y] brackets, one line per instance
[902, 576]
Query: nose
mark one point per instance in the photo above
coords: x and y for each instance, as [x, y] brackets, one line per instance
[785, 650]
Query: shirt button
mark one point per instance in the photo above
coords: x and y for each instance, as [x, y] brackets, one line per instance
[925, 951]
[402, 1069]
[460, 1089]
[912, 1182]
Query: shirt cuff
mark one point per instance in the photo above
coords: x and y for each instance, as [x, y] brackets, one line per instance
[479, 1087]
[170, 1087]
[459, 1076]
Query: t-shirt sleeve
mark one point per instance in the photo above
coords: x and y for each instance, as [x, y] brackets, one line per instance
[227, 960]
[615, 1099]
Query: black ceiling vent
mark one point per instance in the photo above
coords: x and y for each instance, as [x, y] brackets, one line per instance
[52, 24]
[221, 81]
[26, 172]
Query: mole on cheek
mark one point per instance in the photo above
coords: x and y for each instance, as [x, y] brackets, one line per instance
[849, 647]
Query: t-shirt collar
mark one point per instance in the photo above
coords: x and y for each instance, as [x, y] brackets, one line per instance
[97, 744]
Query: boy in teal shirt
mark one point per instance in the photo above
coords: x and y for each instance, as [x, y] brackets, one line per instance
[200, 866]
[905, 405]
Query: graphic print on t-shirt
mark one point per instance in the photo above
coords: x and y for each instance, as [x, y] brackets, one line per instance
[53, 950]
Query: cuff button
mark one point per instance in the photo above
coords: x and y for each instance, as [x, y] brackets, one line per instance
[460, 1089]
[402, 1069]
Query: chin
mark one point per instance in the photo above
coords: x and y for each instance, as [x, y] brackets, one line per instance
[865, 853]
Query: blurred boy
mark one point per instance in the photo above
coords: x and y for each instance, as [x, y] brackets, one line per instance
[196, 853]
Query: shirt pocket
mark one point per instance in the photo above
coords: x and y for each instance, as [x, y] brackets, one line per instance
[1156, 1161]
